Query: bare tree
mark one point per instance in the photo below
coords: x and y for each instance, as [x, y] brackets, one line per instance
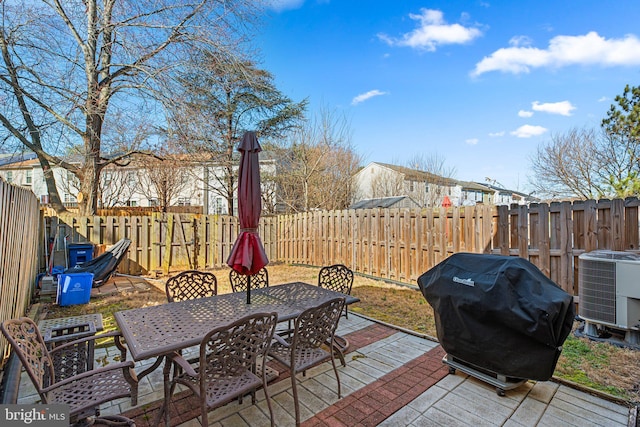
[73, 64]
[17, 117]
[435, 180]
[163, 178]
[569, 166]
[315, 165]
[117, 186]
[387, 184]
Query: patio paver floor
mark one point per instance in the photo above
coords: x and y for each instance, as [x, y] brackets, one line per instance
[391, 379]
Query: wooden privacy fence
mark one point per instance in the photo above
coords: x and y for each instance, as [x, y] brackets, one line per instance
[20, 226]
[401, 244]
[160, 242]
[393, 244]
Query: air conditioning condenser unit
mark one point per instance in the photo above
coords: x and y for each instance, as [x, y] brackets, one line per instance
[609, 289]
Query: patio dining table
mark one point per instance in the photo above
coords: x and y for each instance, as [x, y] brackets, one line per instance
[159, 330]
[162, 329]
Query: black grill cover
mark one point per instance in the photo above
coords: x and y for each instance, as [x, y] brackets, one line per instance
[499, 313]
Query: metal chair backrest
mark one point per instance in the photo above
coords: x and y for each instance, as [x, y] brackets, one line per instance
[231, 349]
[316, 325]
[191, 284]
[336, 277]
[25, 338]
[239, 281]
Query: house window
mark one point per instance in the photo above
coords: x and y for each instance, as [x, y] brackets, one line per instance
[29, 177]
[411, 186]
[10, 177]
[184, 201]
[473, 195]
[154, 202]
[132, 203]
[69, 198]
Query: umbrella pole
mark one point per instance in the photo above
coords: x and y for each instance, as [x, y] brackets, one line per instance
[249, 289]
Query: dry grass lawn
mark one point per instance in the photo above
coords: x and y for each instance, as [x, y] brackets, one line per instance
[600, 366]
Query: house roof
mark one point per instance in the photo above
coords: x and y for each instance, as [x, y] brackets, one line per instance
[467, 185]
[13, 158]
[22, 164]
[417, 175]
[511, 192]
[381, 202]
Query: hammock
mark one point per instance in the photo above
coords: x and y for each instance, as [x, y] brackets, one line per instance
[105, 265]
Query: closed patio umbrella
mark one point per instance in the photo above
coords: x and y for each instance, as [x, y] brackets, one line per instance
[247, 256]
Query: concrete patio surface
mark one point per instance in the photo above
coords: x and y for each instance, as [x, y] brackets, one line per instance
[392, 378]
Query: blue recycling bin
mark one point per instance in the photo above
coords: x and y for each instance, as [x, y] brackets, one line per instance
[74, 288]
[79, 253]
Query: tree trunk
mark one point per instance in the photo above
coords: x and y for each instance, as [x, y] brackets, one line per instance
[52, 189]
[88, 197]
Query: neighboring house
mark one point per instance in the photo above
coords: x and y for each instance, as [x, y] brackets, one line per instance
[502, 196]
[386, 202]
[139, 183]
[383, 180]
[377, 180]
[472, 193]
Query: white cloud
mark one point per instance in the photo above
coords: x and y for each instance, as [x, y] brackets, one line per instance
[496, 134]
[281, 5]
[472, 141]
[603, 99]
[589, 49]
[432, 32]
[520, 41]
[367, 95]
[523, 113]
[564, 108]
[527, 131]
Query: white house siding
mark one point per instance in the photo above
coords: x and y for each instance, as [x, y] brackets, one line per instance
[377, 180]
[193, 193]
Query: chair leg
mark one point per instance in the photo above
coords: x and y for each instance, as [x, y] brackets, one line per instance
[341, 345]
[341, 357]
[266, 391]
[111, 420]
[335, 370]
[204, 414]
[295, 397]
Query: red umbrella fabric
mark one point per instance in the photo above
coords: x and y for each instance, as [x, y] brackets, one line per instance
[248, 256]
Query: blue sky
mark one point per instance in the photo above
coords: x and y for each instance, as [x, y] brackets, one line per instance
[478, 83]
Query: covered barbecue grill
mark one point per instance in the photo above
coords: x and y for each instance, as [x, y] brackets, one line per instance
[499, 318]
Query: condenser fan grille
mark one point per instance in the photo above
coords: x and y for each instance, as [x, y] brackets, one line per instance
[597, 287]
